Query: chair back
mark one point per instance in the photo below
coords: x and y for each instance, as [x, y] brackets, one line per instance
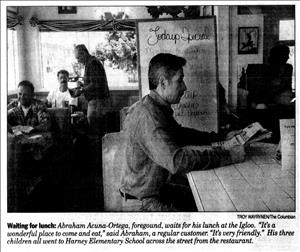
[113, 161]
[61, 122]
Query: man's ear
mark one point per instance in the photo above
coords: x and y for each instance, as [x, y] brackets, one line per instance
[162, 81]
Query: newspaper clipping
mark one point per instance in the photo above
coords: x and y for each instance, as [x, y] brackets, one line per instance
[90, 161]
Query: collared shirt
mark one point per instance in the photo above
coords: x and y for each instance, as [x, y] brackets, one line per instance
[37, 115]
[156, 146]
[95, 82]
[56, 98]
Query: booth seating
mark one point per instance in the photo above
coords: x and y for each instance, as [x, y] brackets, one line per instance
[113, 156]
[123, 114]
[61, 129]
[25, 173]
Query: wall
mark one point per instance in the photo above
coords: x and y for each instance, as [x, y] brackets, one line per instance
[88, 13]
[222, 13]
[238, 61]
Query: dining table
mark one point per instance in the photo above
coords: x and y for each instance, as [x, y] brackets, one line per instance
[259, 184]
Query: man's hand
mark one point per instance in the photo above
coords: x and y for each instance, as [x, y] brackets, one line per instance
[75, 92]
[79, 84]
[233, 133]
[27, 129]
[237, 153]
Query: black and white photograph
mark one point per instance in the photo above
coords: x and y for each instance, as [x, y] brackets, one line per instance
[174, 110]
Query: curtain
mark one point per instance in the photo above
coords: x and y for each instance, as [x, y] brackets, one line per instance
[13, 19]
[82, 25]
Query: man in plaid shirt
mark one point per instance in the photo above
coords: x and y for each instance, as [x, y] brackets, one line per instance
[27, 111]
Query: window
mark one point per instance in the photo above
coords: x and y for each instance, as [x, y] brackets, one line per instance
[286, 30]
[57, 53]
[287, 37]
[12, 60]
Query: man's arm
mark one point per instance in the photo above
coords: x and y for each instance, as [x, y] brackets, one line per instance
[11, 117]
[190, 136]
[160, 146]
[12, 104]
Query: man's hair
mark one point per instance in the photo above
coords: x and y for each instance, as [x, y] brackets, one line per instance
[26, 83]
[277, 52]
[81, 48]
[163, 64]
[63, 71]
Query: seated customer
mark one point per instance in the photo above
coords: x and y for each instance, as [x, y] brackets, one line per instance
[156, 144]
[279, 76]
[60, 97]
[27, 112]
[271, 97]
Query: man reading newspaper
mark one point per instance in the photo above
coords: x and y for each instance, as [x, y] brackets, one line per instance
[157, 147]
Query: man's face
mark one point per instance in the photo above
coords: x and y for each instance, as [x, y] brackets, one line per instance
[80, 56]
[25, 96]
[63, 79]
[175, 88]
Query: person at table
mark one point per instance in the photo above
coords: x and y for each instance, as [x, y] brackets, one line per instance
[27, 114]
[275, 89]
[156, 144]
[60, 97]
[95, 90]
[279, 76]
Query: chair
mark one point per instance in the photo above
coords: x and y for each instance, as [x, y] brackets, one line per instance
[61, 123]
[256, 83]
[62, 149]
[113, 157]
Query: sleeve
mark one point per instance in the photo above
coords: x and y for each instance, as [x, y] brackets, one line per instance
[11, 117]
[96, 77]
[12, 104]
[190, 136]
[43, 119]
[158, 144]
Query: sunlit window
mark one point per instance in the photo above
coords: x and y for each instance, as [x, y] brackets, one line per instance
[287, 36]
[57, 50]
[12, 60]
[286, 30]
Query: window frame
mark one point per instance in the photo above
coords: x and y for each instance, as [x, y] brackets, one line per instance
[15, 56]
[289, 43]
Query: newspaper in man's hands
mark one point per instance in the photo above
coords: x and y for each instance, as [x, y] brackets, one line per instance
[252, 133]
